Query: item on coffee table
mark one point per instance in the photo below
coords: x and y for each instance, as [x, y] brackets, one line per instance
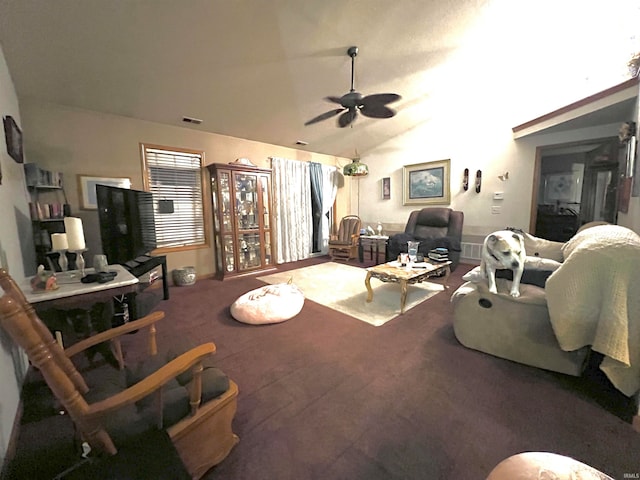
[439, 254]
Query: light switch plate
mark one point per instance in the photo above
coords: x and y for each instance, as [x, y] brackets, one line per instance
[496, 209]
[498, 195]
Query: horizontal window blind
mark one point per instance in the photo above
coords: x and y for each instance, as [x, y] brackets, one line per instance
[176, 177]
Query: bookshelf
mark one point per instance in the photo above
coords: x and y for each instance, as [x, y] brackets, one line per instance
[47, 207]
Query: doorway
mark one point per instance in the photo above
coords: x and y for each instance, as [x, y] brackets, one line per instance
[575, 183]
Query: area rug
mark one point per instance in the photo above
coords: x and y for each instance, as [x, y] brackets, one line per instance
[341, 287]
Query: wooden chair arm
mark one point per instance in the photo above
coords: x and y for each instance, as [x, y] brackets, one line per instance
[112, 333]
[151, 383]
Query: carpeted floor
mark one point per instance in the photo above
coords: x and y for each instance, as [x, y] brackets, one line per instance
[341, 287]
[324, 397]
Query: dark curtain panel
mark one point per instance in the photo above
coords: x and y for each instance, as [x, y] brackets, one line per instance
[316, 201]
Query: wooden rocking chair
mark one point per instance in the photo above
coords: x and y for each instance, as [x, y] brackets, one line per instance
[344, 245]
[202, 435]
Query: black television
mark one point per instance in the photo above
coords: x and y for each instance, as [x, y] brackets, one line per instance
[127, 225]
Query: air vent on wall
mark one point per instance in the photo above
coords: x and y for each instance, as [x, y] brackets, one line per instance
[197, 121]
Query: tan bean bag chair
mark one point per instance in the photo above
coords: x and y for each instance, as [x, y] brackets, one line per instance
[268, 304]
[544, 465]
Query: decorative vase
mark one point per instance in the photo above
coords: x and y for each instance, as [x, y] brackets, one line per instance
[184, 276]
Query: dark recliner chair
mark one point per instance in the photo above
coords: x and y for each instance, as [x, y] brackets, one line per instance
[433, 227]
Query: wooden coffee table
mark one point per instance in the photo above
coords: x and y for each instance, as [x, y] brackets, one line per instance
[394, 272]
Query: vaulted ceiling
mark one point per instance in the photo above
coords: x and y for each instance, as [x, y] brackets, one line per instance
[254, 69]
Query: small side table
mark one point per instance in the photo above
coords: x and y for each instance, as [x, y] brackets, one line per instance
[373, 242]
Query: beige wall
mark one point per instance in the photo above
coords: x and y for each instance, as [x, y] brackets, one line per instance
[16, 250]
[83, 142]
[515, 156]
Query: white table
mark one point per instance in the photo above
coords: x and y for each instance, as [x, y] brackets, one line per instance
[72, 291]
[53, 306]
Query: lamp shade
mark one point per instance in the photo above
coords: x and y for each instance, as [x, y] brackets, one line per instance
[355, 169]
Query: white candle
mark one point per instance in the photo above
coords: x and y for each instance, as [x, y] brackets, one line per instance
[75, 234]
[59, 241]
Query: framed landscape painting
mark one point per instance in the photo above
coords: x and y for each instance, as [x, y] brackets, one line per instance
[427, 183]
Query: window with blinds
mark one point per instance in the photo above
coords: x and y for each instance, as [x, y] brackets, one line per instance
[174, 177]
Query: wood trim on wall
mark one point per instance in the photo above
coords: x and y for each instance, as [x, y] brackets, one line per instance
[580, 103]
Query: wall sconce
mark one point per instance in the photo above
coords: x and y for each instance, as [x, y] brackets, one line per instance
[504, 176]
[478, 180]
[465, 180]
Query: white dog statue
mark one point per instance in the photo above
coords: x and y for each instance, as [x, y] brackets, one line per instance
[503, 249]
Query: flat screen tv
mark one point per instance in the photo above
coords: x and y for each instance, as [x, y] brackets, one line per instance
[127, 225]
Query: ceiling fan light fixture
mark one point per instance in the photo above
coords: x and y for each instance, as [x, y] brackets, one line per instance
[355, 169]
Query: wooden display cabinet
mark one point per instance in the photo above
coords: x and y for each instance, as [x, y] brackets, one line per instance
[241, 198]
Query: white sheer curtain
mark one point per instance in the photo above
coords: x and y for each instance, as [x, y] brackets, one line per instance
[329, 191]
[292, 209]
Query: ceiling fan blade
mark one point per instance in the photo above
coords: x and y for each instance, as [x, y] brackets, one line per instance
[347, 117]
[380, 99]
[332, 99]
[324, 116]
[377, 111]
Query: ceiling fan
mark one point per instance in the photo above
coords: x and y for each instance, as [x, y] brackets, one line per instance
[351, 103]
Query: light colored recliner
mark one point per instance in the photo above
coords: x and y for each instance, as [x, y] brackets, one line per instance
[588, 301]
[518, 329]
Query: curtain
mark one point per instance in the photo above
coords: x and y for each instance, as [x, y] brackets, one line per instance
[329, 192]
[292, 209]
[315, 171]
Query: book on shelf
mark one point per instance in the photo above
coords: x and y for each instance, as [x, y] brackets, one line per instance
[46, 211]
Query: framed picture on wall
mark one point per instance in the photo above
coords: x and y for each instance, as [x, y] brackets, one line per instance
[427, 183]
[13, 136]
[386, 188]
[562, 187]
[87, 188]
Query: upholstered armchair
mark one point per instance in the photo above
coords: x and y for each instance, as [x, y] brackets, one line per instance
[344, 245]
[433, 227]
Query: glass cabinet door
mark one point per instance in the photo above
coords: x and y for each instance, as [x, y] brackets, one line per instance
[223, 225]
[225, 200]
[266, 217]
[247, 219]
[229, 249]
[246, 201]
[249, 253]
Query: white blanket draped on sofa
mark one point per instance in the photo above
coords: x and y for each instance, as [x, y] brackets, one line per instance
[594, 299]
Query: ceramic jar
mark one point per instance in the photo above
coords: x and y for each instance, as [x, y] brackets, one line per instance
[184, 276]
